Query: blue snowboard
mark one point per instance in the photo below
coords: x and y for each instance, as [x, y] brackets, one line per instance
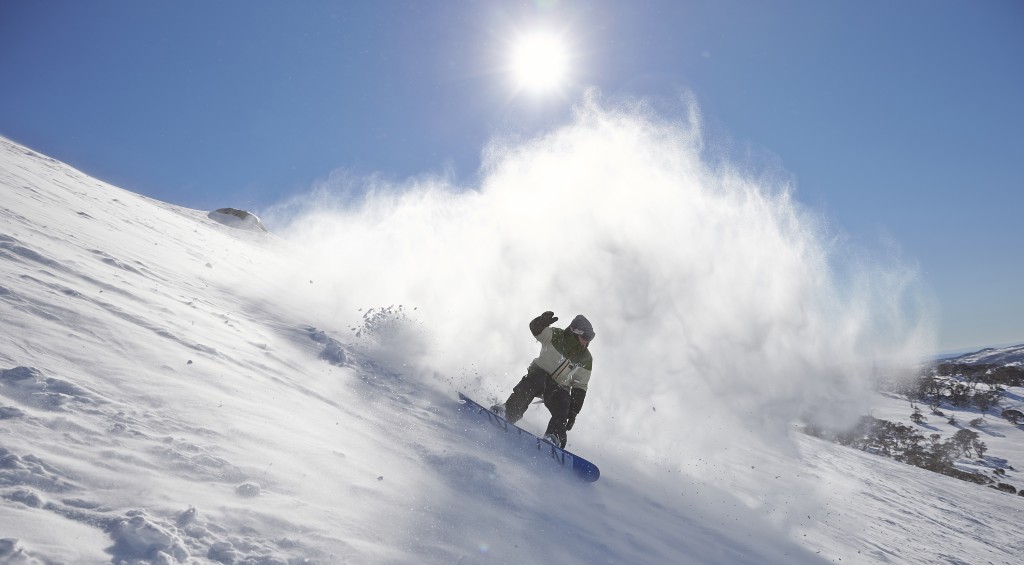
[583, 469]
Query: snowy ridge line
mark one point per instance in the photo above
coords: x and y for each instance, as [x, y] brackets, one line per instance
[1013, 355]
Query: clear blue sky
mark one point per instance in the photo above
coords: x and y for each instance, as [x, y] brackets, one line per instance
[898, 120]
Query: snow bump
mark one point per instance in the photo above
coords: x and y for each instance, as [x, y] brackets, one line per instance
[28, 386]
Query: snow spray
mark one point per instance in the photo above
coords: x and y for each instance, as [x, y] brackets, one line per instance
[725, 311]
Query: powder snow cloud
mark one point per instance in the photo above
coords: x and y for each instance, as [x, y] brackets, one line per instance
[724, 309]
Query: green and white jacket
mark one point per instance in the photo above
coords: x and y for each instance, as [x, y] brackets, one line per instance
[562, 357]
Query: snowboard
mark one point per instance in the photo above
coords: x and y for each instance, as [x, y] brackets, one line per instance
[580, 467]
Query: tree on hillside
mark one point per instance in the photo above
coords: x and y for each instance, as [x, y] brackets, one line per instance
[987, 399]
[973, 377]
[896, 437]
[964, 440]
[915, 455]
[930, 389]
[1014, 416]
[979, 447]
[857, 436]
[917, 417]
[959, 394]
[940, 458]
[1008, 376]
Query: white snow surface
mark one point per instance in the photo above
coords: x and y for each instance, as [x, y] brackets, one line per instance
[172, 392]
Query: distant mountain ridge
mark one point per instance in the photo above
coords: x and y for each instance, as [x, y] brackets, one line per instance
[1012, 355]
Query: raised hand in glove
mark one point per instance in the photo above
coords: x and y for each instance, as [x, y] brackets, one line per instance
[542, 321]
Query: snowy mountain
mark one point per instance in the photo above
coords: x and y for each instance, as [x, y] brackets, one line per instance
[178, 390]
[1013, 355]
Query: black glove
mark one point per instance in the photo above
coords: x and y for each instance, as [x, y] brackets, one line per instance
[542, 321]
[570, 422]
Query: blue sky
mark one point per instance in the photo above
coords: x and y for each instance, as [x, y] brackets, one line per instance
[899, 121]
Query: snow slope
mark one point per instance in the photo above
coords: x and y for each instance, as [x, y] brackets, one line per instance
[167, 395]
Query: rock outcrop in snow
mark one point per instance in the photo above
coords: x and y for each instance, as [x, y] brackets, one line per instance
[239, 219]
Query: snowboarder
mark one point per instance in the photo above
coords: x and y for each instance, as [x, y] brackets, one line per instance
[559, 375]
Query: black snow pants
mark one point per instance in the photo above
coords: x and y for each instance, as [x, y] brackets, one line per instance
[538, 384]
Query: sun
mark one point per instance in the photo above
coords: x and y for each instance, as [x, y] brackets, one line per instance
[540, 62]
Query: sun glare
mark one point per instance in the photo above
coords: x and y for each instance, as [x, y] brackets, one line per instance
[540, 62]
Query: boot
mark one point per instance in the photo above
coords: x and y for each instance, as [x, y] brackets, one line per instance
[554, 440]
